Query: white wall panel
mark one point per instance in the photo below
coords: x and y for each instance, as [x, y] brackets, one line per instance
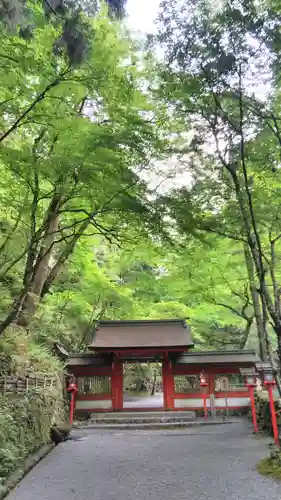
[219, 402]
[190, 403]
[94, 404]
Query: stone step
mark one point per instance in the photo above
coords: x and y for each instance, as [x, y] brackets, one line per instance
[159, 414]
[149, 425]
[141, 417]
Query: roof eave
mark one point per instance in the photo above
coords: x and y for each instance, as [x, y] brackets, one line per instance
[224, 353]
[141, 322]
[140, 347]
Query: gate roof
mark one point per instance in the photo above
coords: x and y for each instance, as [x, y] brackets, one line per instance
[235, 356]
[140, 334]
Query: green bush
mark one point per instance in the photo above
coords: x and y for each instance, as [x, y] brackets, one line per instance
[25, 423]
[26, 418]
[271, 466]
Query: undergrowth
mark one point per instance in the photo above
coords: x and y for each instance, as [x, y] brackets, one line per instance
[25, 419]
[271, 466]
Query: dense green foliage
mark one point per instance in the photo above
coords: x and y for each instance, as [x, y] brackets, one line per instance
[82, 233]
[91, 121]
[26, 416]
[25, 425]
[220, 76]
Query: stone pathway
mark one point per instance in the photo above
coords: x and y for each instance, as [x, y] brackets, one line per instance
[144, 401]
[206, 463]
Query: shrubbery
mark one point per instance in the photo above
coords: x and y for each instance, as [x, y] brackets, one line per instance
[26, 418]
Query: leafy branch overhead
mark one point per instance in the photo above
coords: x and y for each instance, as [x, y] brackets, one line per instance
[219, 76]
[74, 154]
[96, 131]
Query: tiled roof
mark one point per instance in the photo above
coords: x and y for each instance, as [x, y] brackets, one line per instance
[218, 357]
[141, 334]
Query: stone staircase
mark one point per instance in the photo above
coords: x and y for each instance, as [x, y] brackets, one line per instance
[144, 420]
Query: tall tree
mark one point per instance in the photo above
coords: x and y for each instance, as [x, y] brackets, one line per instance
[73, 153]
[216, 61]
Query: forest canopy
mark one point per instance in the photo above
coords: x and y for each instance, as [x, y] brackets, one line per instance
[96, 128]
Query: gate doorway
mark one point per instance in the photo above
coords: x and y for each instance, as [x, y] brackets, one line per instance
[142, 386]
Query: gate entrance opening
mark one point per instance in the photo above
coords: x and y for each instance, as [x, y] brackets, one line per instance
[143, 386]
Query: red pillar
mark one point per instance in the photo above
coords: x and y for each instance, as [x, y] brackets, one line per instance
[253, 408]
[204, 384]
[273, 414]
[117, 385]
[72, 407]
[72, 389]
[168, 383]
[212, 393]
[205, 403]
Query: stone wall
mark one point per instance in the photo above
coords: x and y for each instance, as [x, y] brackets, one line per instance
[25, 421]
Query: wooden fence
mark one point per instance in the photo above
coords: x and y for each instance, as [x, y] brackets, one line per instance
[21, 385]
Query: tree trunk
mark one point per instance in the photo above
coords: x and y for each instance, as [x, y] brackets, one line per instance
[63, 258]
[256, 262]
[154, 383]
[41, 271]
[246, 333]
[256, 303]
[41, 265]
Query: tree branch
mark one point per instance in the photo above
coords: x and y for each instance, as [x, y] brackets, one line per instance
[38, 99]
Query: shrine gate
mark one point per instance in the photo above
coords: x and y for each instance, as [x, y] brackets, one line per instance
[99, 372]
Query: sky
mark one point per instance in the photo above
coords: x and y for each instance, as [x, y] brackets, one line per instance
[141, 14]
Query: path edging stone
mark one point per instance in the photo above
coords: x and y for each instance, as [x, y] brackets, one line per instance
[30, 462]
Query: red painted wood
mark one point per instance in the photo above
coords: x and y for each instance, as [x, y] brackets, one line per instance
[168, 372]
[211, 380]
[114, 387]
[72, 408]
[205, 396]
[168, 383]
[171, 386]
[253, 408]
[120, 385]
[164, 382]
[117, 385]
[273, 415]
[205, 391]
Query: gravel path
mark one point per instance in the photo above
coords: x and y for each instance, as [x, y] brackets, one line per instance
[146, 401]
[207, 463]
